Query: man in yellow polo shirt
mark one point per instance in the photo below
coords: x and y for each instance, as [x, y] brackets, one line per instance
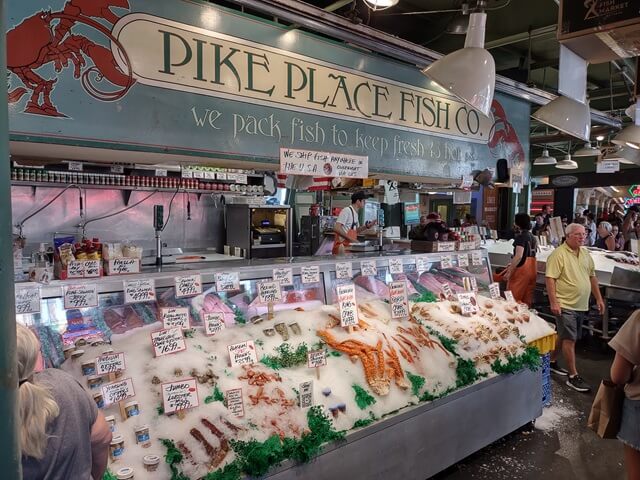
[571, 278]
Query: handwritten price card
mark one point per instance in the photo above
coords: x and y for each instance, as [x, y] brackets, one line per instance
[138, 291]
[179, 396]
[509, 296]
[422, 264]
[446, 246]
[305, 397]
[284, 276]
[344, 271]
[316, 358]
[463, 260]
[188, 286]
[117, 391]
[310, 274]
[494, 290]
[123, 266]
[167, 341]
[175, 317]
[83, 268]
[368, 268]
[269, 292]
[348, 307]
[80, 296]
[227, 281]
[110, 363]
[398, 299]
[242, 353]
[213, 323]
[468, 303]
[446, 261]
[28, 300]
[446, 290]
[234, 401]
[395, 265]
[476, 259]
[474, 284]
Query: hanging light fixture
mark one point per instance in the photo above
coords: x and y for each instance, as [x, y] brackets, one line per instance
[377, 5]
[545, 159]
[460, 23]
[587, 151]
[566, 163]
[629, 156]
[630, 136]
[469, 73]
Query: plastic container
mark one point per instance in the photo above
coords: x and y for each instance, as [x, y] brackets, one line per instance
[111, 420]
[76, 354]
[125, 473]
[88, 368]
[116, 449]
[142, 436]
[97, 397]
[151, 462]
[132, 409]
[94, 381]
[68, 350]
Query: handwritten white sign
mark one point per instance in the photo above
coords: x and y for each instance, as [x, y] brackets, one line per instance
[463, 260]
[227, 281]
[446, 261]
[368, 268]
[123, 266]
[75, 269]
[508, 294]
[75, 166]
[117, 391]
[137, 291]
[175, 317]
[324, 164]
[80, 296]
[348, 307]
[468, 303]
[344, 271]
[474, 284]
[28, 300]
[188, 286]
[305, 394]
[180, 395]
[235, 402]
[422, 264]
[284, 276]
[446, 246]
[316, 358]
[110, 363]
[242, 353]
[241, 178]
[494, 290]
[395, 265]
[213, 323]
[446, 290]
[310, 274]
[398, 300]
[167, 341]
[476, 259]
[269, 292]
[116, 169]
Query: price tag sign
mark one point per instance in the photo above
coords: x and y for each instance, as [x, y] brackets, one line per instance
[213, 323]
[123, 266]
[508, 294]
[316, 358]
[138, 291]
[467, 245]
[117, 391]
[241, 178]
[209, 175]
[198, 174]
[494, 290]
[188, 286]
[468, 303]
[75, 269]
[161, 172]
[187, 173]
[284, 276]
[344, 271]
[227, 281]
[422, 264]
[80, 296]
[348, 306]
[398, 300]
[446, 290]
[446, 261]
[463, 260]
[467, 181]
[305, 395]
[28, 300]
[168, 341]
[446, 246]
[180, 396]
[75, 166]
[117, 169]
[474, 284]
[368, 268]
[395, 265]
[242, 353]
[91, 268]
[310, 274]
[221, 175]
[234, 401]
[269, 292]
[476, 259]
[110, 363]
[175, 317]
[231, 177]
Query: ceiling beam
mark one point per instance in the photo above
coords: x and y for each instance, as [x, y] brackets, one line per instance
[543, 32]
[564, 137]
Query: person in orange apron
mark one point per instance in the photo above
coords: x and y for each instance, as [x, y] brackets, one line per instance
[522, 272]
[347, 224]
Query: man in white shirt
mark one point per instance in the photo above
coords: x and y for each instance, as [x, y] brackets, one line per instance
[347, 224]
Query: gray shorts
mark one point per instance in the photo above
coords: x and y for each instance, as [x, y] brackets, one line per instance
[569, 324]
[629, 433]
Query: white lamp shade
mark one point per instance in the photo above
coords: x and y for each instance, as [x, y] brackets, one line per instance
[628, 137]
[380, 4]
[567, 115]
[587, 151]
[567, 164]
[545, 159]
[629, 156]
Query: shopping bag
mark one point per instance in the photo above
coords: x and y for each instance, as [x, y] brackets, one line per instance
[606, 411]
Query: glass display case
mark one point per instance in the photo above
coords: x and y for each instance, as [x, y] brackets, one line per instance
[265, 363]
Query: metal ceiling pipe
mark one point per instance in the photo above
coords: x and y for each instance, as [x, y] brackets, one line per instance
[335, 26]
[548, 31]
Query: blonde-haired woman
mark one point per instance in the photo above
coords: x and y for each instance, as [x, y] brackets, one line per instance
[63, 435]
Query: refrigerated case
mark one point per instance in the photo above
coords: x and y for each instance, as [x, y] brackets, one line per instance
[403, 379]
[260, 231]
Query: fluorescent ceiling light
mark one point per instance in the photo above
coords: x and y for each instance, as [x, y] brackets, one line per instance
[567, 115]
[587, 151]
[567, 164]
[628, 137]
[614, 189]
[469, 73]
[376, 5]
[545, 159]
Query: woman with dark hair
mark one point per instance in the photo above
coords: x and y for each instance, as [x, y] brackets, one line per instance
[521, 273]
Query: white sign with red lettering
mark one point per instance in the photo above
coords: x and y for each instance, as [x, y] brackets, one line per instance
[180, 395]
[188, 286]
[175, 317]
[242, 353]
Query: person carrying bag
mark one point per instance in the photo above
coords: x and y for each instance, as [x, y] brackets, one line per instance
[522, 272]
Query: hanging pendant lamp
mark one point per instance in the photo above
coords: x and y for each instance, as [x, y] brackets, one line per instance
[545, 159]
[567, 163]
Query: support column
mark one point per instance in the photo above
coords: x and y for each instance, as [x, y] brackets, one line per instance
[10, 462]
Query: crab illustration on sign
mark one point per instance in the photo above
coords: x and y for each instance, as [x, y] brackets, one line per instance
[48, 37]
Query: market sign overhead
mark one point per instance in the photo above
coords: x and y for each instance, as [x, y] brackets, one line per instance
[631, 201]
[634, 190]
